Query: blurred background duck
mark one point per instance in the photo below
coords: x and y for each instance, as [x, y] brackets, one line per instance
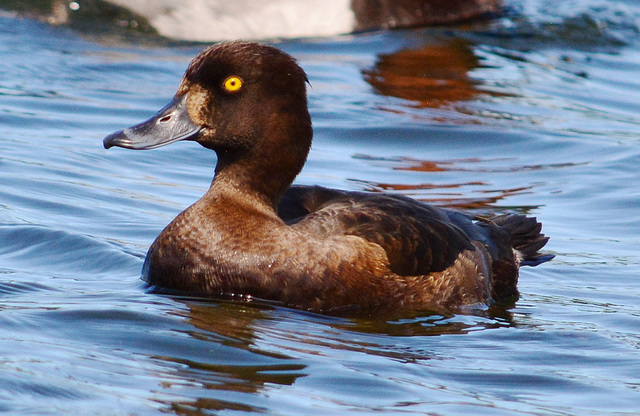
[216, 20]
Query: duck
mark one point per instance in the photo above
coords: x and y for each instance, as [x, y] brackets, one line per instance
[217, 20]
[253, 236]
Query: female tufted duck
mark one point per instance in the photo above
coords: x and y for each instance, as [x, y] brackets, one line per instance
[253, 235]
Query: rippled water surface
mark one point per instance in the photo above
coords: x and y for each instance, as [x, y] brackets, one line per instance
[535, 112]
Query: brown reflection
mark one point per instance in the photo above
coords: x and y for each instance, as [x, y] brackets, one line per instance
[217, 385]
[233, 321]
[421, 324]
[202, 406]
[433, 76]
[454, 199]
[452, 195]
[228, 324]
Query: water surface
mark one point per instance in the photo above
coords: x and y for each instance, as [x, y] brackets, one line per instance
[536, 112]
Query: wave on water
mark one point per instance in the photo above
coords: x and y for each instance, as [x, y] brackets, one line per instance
[579, 23]
[32, 248]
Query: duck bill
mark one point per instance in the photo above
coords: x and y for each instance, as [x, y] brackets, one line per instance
[171, 124]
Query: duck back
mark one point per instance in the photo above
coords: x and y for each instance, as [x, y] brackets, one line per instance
[421, 240]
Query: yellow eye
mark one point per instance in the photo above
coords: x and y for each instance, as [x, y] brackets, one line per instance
[232, 84]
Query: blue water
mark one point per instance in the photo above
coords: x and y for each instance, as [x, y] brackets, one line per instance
[545, 121]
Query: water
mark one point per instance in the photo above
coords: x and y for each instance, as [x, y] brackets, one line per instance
[539, 115]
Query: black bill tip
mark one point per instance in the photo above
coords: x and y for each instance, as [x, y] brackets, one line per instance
[118, 138]
[171, 124]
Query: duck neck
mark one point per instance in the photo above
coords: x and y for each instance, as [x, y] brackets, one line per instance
[264, 171]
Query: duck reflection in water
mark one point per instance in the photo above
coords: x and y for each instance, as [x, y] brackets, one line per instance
[255, 347]
[435, 75]
[438, 76]
[478, 196]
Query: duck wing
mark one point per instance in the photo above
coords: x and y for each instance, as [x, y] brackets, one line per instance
[420, 239]
[417, 238]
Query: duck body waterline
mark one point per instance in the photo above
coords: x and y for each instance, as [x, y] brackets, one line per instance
[254, 235]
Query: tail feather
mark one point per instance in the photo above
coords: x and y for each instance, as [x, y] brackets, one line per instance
[526, 236]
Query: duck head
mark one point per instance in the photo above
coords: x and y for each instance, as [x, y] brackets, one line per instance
[247, 102]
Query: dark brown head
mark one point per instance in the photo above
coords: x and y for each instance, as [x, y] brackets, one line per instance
[247, 102]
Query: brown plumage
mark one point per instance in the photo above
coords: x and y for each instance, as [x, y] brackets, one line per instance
[252, 235]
